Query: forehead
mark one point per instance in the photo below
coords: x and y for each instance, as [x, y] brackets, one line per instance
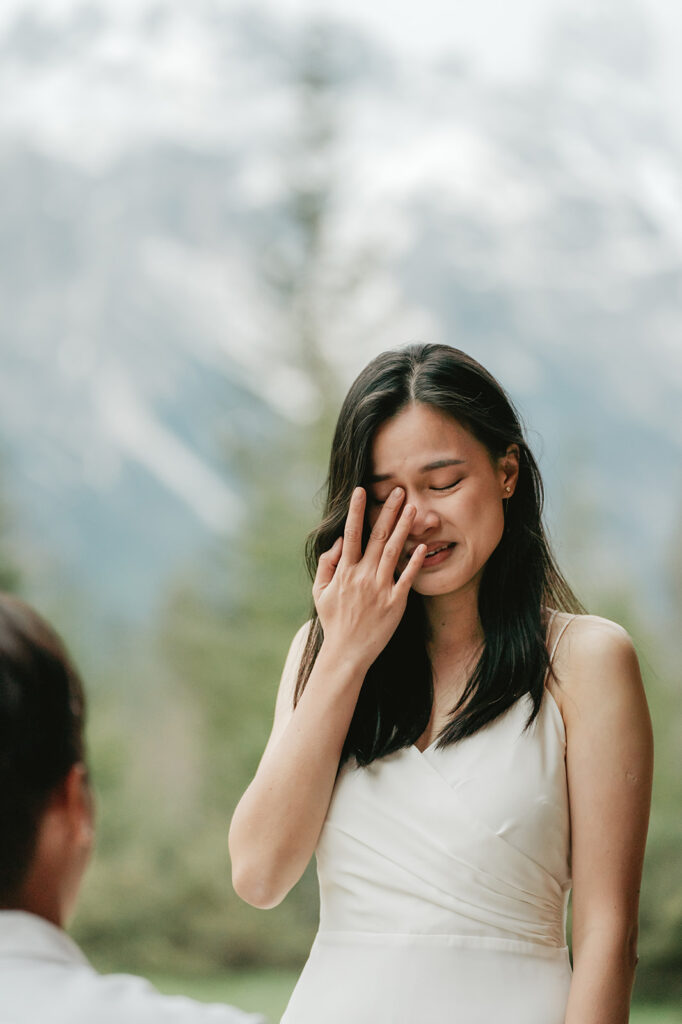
[420, 434]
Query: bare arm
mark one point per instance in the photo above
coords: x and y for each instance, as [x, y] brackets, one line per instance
[609, 757]
[277, 822]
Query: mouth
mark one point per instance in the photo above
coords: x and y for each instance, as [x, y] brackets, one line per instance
[432, 555]
[441, 547]
[439, 553]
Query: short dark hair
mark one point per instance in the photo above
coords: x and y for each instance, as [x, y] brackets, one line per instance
[42, 715]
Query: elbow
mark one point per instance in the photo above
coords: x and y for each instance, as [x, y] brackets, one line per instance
[255, 890]
[251, 879]
[262, 875]
[615, 939]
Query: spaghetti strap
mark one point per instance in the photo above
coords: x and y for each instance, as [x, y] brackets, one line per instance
[561, 633]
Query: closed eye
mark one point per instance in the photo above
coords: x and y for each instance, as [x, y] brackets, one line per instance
[449, 486]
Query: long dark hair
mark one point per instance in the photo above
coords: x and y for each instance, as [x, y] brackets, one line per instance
[520, 581]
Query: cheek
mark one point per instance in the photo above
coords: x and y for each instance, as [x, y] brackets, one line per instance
[485, 504]
[492, 523]
[485, 518]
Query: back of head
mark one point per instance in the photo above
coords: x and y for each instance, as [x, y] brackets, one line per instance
[42, 710]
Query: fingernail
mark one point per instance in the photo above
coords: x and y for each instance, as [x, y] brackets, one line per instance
[397, 491]
[408, 510]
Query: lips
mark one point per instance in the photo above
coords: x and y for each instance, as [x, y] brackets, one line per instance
[434, 549]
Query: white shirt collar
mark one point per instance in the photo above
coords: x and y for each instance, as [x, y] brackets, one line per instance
[27, 935]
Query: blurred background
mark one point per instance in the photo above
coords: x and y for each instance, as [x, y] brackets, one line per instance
[213, 215]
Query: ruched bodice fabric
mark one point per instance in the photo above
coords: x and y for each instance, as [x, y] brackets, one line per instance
[444, 879]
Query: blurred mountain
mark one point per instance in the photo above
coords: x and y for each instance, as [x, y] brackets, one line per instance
[146, 159]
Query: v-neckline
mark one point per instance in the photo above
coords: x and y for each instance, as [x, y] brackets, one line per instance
[550, 622]
[431, 744]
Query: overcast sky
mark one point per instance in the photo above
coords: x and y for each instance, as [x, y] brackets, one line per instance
[499, 38]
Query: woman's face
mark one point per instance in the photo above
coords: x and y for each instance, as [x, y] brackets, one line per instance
[458, 492]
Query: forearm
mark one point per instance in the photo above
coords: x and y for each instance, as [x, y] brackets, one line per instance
[604, 964]
[276, 825]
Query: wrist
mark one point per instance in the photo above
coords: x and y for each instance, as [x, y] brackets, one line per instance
[343, 657]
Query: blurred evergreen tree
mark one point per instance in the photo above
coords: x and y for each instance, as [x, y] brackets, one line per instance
[230, 649]
[224, 633]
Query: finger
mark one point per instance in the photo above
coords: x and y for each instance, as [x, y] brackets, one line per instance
[352, 532]
[383, 528]
[407, 576]
[327, 563]
[396, 543]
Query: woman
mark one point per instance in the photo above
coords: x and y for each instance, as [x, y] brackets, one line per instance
[454, 737]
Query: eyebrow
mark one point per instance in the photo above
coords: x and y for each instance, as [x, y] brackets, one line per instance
[376, 478]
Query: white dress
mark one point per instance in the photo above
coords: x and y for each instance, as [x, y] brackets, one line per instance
[444, 880]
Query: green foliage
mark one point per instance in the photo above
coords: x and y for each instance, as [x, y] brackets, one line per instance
[660, 938]
[171, 763]
[265, 991]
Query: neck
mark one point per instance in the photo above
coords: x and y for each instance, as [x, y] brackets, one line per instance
[41, 897]
[454, 623]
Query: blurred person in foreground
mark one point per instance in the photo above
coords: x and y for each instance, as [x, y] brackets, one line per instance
[46, 838]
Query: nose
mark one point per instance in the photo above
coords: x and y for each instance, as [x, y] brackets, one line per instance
[425, 518]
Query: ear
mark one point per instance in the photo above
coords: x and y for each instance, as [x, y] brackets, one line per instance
[74, 802]
[509, 469]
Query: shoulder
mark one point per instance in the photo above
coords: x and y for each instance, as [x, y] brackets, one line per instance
[116, 997]
[301, 635]
[294, 655]
[586, 626]
[597, 668]
[589, 641]
[284, 703]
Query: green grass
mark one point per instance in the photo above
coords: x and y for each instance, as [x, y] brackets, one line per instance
[266, 991]
[269, 990]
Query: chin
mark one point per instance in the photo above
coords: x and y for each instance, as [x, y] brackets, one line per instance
[435, 588]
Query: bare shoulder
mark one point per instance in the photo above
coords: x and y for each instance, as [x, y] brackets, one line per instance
[596, 665]
[293, 659]
[287, 683]
[284, 703]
